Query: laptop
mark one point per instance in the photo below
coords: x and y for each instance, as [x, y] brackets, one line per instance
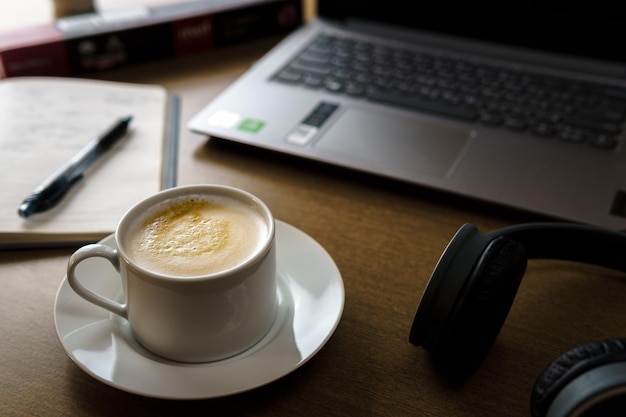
[523, 110]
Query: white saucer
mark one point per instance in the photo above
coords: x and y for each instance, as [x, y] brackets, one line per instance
[311, 300]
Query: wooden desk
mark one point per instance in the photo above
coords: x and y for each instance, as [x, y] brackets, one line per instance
[385, 238]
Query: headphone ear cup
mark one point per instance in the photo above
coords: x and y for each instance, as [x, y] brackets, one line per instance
[481, 309]
[573, 371]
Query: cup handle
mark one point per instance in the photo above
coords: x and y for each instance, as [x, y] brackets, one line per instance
[92, 251]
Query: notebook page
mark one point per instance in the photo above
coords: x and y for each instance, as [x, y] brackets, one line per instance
[45, 121]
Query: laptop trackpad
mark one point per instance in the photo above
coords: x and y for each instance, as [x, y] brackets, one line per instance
[395, 143]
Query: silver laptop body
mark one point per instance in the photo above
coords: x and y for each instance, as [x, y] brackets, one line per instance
[574, 174]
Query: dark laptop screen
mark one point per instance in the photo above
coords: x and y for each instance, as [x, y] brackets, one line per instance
[593, 30]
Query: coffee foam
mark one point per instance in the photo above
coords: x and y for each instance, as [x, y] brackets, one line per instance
[191, 236]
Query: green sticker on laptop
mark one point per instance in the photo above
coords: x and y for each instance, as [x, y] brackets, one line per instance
[251, 125]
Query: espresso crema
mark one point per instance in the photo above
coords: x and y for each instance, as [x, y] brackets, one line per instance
[196, 235]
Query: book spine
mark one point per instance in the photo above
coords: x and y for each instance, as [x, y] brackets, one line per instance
[75, 54]
[121, 48]
[41, 51]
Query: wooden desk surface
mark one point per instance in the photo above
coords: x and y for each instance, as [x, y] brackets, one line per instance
[385, 238]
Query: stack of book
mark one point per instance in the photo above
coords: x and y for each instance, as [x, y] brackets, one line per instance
[76, 45]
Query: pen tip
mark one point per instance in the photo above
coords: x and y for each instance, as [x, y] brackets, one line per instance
[25, 210]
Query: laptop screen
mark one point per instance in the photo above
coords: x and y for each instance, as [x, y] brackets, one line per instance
[592, 29]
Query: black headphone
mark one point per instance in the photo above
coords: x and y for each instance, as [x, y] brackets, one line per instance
[470, 293]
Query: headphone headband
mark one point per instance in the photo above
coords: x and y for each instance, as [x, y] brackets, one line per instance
[567, 241]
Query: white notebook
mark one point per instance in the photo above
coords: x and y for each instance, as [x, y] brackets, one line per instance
[45, 121]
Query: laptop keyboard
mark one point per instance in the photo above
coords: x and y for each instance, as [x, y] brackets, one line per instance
[574, 111]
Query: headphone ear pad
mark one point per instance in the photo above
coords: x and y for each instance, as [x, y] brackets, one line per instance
[571, 365]
[482, 307]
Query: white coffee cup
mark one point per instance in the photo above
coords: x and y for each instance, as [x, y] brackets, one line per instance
[174, 308]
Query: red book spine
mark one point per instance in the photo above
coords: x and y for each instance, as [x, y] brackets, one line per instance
[36, 51]
[193, 35]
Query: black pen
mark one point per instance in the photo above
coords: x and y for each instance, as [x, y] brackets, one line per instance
[52, 190]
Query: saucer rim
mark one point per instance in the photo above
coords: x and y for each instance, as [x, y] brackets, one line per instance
[286, 274]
